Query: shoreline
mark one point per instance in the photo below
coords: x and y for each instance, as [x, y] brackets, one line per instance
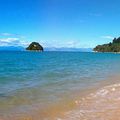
[102, 104]
[68, 106]
[106, 52]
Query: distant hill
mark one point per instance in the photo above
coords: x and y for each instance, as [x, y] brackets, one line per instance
[69, 49]
[20, 48]
[113, 46]
[11, 48]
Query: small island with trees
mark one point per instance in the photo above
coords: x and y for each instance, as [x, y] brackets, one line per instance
[35, 46]
[113, 46]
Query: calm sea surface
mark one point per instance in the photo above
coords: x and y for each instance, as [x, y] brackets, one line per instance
[33, 78]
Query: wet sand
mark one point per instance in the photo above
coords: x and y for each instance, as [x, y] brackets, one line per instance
[101, 105]
[101, 102]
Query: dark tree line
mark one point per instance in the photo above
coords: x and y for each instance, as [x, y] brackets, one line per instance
[113, 46]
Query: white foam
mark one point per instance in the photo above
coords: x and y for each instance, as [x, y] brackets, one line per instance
[113, 89]
[102, 92]
[92, 106]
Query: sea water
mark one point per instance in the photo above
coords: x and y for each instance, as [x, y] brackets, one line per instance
[31, 81]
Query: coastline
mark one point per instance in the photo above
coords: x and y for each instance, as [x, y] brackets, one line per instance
[106, 52]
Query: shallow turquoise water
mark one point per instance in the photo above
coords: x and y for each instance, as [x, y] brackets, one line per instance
[33, 77]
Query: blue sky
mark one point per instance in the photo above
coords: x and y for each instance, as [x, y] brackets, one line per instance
[59, 23]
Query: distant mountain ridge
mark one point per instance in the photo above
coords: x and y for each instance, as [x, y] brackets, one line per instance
[20, 48]
[69, 49]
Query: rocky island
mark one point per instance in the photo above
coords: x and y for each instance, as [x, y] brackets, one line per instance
[113, 46]
[35, 46]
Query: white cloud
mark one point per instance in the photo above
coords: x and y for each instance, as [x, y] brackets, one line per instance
[66, 44]
[8, 39]
[12, 42]
[59, 44]
[107, 37]
[11, 35]
[6, 34]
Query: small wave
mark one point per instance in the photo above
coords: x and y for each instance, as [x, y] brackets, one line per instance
[104, 104]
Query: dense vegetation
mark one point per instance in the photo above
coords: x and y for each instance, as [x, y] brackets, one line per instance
[35, 47]
[113, 46]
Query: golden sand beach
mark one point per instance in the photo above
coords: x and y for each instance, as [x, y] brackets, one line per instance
[104, 104]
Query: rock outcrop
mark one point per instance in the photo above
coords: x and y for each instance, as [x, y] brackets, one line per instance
[35, 46]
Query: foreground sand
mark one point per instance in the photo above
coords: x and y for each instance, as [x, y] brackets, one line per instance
[102, 104]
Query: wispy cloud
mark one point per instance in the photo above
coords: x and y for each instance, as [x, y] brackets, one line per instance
[66, 44]
[107, 37]
[12, 42]
[5, 34]
[59, 44]
[8, 39]
[11, 34]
